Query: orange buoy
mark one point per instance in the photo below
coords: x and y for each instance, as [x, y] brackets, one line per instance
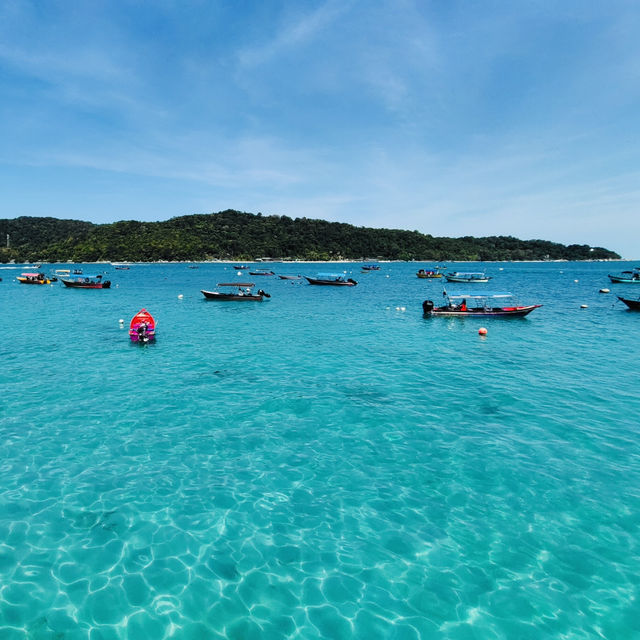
[482, 331]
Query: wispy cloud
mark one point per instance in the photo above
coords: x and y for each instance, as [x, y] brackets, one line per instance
[296, 30]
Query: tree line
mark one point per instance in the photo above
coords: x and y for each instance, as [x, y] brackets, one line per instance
[235, 235]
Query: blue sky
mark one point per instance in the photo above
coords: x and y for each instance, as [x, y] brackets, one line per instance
[452, 118]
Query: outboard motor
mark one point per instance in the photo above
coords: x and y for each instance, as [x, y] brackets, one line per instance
[106, 284]
[427, 307]
[261, 292]
[351, 280]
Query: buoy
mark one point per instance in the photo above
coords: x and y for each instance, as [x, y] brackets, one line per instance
[584, 306]
[403, 308]
[482, 331]
[121, 322]
[604, 290]
[180, 296]
[239, 273]
[575, 281]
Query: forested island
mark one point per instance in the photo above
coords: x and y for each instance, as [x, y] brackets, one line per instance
[234, 235]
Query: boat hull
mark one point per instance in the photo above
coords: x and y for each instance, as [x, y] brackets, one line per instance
[621, 280]
[632, 304]
[481, 312]
[290, 277]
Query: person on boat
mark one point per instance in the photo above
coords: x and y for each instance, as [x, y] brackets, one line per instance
[142, 330]
[463, 305]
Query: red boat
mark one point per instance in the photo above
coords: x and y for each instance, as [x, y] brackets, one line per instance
[143, 327]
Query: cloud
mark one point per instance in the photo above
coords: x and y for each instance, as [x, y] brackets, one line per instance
[297, 30]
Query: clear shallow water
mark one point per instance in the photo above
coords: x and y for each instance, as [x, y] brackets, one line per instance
[321, 465]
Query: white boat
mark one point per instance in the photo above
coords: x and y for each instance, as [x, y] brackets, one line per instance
[471, 276]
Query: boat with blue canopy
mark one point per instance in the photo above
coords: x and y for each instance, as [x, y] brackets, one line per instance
[332, 279]
[487, 304]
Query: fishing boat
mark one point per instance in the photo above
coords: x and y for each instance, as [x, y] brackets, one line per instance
[468, 277]
[86, 282]
[235, 291]
[332, 279]
[241, 267]
[370, 267]
[142, 328]
[626, 277]
[34, 278]
[634, 305]
[486, 305]
[120, 266]
[262, 272]
[283, 277]
[429, 273]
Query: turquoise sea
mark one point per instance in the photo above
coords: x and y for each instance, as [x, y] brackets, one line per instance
[325, 464]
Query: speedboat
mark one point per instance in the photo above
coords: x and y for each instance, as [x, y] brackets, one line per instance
[282, 277]
[458, 276]
[86, 282]
[634, 305]
[626, 277]
[34, 278]
[429, 273]
[142, 328]
[371, 267]
[332, 279]
[467, 305]
[235, 291]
